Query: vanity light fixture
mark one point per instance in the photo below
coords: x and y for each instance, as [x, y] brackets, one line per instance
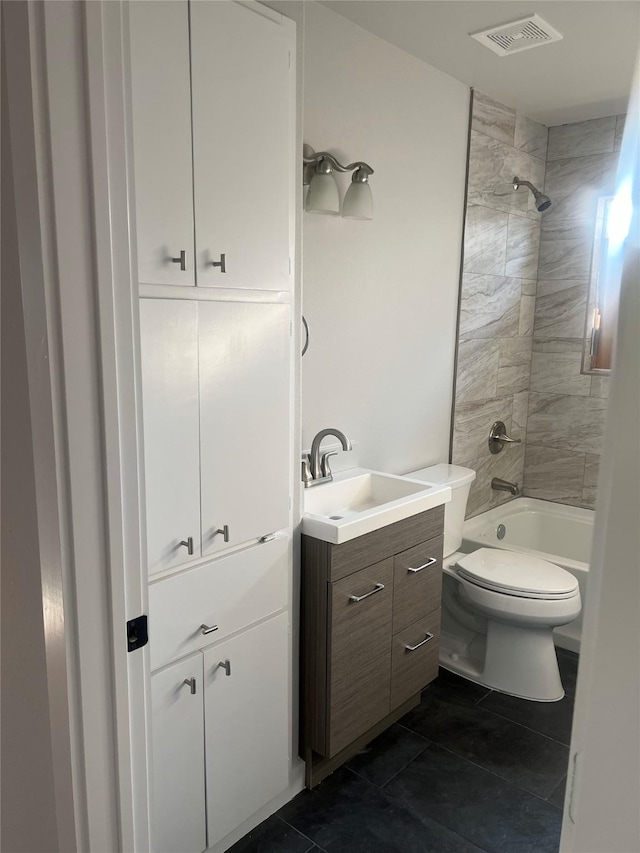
[323, 195]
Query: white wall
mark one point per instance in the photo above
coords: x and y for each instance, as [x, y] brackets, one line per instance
[381, 297]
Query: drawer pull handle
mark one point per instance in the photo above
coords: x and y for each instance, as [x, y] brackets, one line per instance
[417, 646]
[225, 532]
[188, 544]
[191, 682]
[426, 565]
[181, 259]
[208, 629]
[226, 665]
[356, 598]
[221, 263]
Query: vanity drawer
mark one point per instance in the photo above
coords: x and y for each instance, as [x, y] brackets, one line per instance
[379, 544]
[360, 653]
[231, 592]
[414, 658]
[417, 582]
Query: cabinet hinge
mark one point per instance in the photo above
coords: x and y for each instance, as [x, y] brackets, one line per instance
[137, 633]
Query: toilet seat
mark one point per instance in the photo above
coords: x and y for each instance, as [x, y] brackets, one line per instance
[515, 574]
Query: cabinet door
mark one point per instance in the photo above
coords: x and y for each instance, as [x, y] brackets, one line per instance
[161, 113]
[179, 817]
[360, 652]
[169, 350]
[242, 145]
[246, 724]
[244, 421]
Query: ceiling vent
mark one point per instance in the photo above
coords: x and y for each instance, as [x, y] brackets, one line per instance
[519, 35]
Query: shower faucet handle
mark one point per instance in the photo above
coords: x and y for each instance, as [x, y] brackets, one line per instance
[498, 437]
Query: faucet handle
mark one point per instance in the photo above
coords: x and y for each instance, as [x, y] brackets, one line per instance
[306, 469]
[325, 468]
[498, 437]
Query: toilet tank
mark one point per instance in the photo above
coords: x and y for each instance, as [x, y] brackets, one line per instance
[459, 480]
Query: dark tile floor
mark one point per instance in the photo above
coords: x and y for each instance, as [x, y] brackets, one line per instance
[467, 771]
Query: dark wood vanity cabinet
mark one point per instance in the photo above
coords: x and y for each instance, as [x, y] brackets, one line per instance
[370, 628]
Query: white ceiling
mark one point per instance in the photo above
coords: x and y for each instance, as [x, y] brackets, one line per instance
[586, 75]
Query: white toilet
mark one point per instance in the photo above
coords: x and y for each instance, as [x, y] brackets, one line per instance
[499, 608]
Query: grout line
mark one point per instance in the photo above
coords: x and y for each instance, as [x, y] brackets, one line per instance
[528, 728]
[497, 776]
[295, 829]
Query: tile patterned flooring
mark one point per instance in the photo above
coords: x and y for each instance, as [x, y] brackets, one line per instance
[467, 771]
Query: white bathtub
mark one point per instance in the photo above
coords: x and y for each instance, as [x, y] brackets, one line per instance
[558, 533]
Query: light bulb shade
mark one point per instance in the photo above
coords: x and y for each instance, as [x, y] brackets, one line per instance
[323, 195]
[358, 202]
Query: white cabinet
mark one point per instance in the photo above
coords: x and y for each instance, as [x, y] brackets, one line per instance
[230, 592]
[216, 409]
[170, 396]
[161, 112]
[242, 145]
[177, 699]
[245, 355]
[246, 724]
[213, 136]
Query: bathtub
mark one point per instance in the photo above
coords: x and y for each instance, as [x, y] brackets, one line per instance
[558, 533]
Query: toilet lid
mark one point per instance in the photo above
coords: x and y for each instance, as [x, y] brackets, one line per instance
[516, 574]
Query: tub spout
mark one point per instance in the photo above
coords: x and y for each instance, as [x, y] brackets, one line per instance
[505, 486]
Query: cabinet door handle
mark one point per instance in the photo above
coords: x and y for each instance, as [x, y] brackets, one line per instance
[426, 565]
[417, 646]
[181, 259]
[221, 263]
[224, 530]
[378, 588]
[226, 665]
[192, 684]
[188, 544]
[208, 629]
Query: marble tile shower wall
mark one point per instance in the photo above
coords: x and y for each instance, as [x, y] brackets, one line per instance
[497, 309]
[567, 408]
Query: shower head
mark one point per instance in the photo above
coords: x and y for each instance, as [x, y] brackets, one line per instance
[543, 202]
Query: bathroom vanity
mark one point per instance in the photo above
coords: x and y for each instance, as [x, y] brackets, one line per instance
[370, 632]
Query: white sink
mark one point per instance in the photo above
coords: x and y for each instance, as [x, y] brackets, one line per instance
[359, 501]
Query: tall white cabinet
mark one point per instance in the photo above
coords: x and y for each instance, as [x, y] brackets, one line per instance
[213, 133]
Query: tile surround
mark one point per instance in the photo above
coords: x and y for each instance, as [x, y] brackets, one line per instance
[527, 316]
[556, 367]
[523, 305]
[553, 475]
[590, 481]
[565, 177]
[502, 239]
[565, 250]
[485, 240]
[490, 306]
[581, 138]
[566, 422]
[493, 119]
[523, 244]
[567, 407]
[531, 137]
[477, 369]
[492, 167]
[560, 309]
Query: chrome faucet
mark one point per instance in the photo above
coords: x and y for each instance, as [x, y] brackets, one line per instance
[505, 486]
[315, 467]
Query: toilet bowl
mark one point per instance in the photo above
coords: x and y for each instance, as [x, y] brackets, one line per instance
[499, 607]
